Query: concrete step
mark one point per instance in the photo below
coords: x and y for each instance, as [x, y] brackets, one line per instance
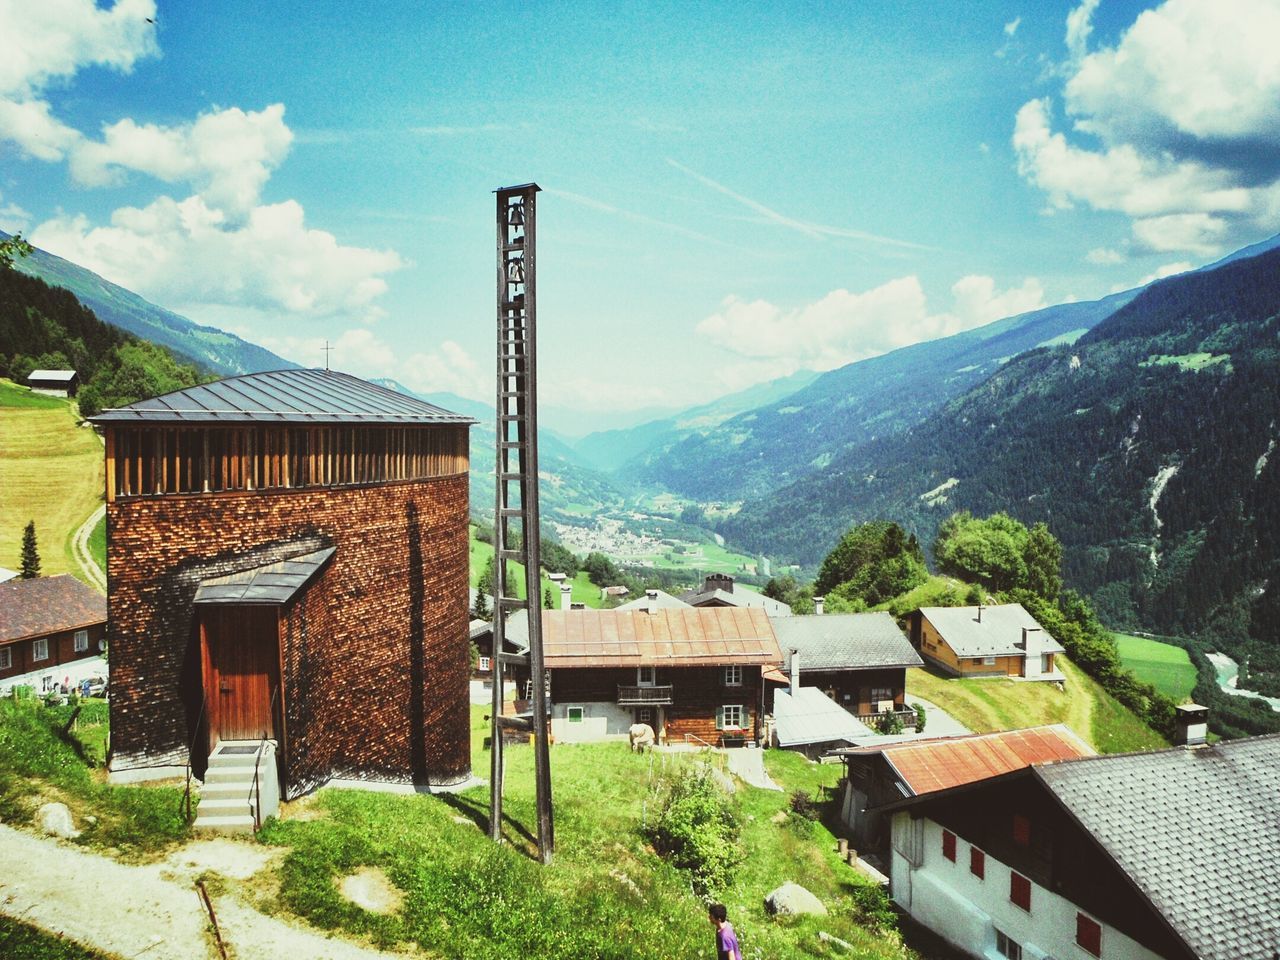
[226, 790]
[229, 775]
[243, 761]
[225, 824]
[225, 806]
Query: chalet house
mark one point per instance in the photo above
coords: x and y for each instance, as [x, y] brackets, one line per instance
[653, 600]
[717, 591]
[55, 383]
[51, 633]
[876, 775]
[982, 641]
[692, 674]
[1170, 854]
[859, 660]
[287, 563]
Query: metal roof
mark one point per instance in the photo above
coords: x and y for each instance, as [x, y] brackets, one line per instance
[43, 605]
[704, 597]
[810, 716]
[51, 375]
[284, 396]
[663, 599]
[1197, 830]
[845, 641]
[271, 583]
[994, 631]
[696, 636]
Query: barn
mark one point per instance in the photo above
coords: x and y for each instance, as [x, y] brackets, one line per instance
[287, 565]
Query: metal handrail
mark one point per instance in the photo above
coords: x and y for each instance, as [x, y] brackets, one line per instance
[690, 736]
[186, 797]
[257, 763]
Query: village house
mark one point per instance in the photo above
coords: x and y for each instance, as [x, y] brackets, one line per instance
[287, 556]
[694, 675]
[986, 641]
[54, 383]
[51, 634]
[717, 591]
[879, 774]
[654, 600]
[1168, 854]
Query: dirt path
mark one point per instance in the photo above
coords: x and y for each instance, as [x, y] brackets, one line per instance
[151, 911]
[84, 557]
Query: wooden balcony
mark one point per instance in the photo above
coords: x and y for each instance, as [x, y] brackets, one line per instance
[644, 696]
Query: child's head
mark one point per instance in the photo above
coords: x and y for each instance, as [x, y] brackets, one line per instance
[718, 913]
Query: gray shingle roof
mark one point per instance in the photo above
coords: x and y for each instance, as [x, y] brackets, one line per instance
[997, 634]
[284, 396]
[812, 717]
[664, 600]
[845, 641]
[1197, 830]
[271, 583]
[743, 598]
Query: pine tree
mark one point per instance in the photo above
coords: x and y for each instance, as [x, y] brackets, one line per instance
[30, 556]
[546, 599]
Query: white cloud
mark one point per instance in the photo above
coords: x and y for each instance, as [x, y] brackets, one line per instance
[1167, 270]
[1184, 112]
[1105, 256]
[843, 327]
[1011, 27]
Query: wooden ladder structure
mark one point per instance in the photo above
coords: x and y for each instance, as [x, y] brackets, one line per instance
[516, 526]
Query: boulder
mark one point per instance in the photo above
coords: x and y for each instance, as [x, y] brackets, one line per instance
[55, 820]
[790, 899]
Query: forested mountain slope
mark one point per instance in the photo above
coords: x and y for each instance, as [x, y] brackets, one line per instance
[1148, 446]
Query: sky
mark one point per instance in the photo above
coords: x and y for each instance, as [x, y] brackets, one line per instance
[730, 192]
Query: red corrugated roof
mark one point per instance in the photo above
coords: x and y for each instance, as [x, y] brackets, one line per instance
[929, 765]
[688, 636]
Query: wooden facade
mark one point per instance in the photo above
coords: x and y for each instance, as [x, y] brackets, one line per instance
[152, 460]
[935, 648]
[860, 691]
[59, 648]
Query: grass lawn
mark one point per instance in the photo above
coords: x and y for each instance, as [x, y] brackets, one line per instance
[985, 706]
[51, 471]
[606, 895]
[1168, 667]
[98, 544]
[21, 941]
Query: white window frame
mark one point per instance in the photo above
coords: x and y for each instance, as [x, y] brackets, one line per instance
[40, 649]
[988, 661]
[569, 711]
[733, 675]
[46, 683]
[6, 658]
[82, 641]
[741, 717]
[646, 676]
[644, 715]
[483, 663]
[1008, 947]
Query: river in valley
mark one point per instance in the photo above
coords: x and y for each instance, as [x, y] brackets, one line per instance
[1228, 672]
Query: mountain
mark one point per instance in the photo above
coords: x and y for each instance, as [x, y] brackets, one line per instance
[611, 449]
[210, 348]
[1148, 446]
[775, 444]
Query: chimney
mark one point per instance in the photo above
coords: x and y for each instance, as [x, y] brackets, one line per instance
[652, 597]
[1190, 725]
[817, 605]
[718, 581]
[566, 595]
[577, 606]
[795, 672]
[979, 612]
[1031, 647]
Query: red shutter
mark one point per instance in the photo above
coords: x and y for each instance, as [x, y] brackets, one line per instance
[949, 845]
[1020, 891]
[1089, 934]
[1021, 830]
[977, 863]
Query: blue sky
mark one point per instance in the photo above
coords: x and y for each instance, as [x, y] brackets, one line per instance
[731, 192]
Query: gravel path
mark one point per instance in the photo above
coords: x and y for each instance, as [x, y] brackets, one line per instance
[747, 764]
[151, 911]
[84, 556]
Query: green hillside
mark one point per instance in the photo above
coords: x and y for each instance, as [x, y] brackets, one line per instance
[1168, 667]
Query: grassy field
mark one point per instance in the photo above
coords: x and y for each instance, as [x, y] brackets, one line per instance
[985, 706]
[584, 591]
[98, 543]
[51, 471]
[1167, 667]
[607, 895]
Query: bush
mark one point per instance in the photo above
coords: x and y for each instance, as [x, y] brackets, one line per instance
[889, 723]
[698, 831]
[803, 805]
[920, 717]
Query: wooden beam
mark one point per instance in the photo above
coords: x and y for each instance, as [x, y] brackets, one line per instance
[111, 464]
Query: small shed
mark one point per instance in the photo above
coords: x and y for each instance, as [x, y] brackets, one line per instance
[55, 383]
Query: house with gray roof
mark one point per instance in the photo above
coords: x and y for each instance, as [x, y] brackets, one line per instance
[859, 660]
[1169, 854]
[1002, 640]
[717, 590]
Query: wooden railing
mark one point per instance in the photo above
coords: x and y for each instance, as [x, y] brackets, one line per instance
[644, 696]
[905, 714]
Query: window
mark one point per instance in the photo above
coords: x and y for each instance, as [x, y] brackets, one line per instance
[977, 863]
[949, 845]
[731, 717]
[1089, 934]
[1006, 946]
[1020, 891]
[82, 641]
[988, 661]
[574, 714]
[483, 664]
[6, 658]
[733, 675]
[40, 649]
[646, 676]
[1021, 830]
[880, 694]
[644, 715]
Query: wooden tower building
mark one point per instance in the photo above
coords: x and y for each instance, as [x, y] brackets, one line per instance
[287, 561]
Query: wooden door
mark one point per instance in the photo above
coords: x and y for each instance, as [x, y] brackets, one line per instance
[240, 657]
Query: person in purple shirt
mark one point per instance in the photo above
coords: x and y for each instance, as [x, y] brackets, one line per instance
[726, 940]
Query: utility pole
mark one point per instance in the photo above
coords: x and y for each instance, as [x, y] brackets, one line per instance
[516, 507]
